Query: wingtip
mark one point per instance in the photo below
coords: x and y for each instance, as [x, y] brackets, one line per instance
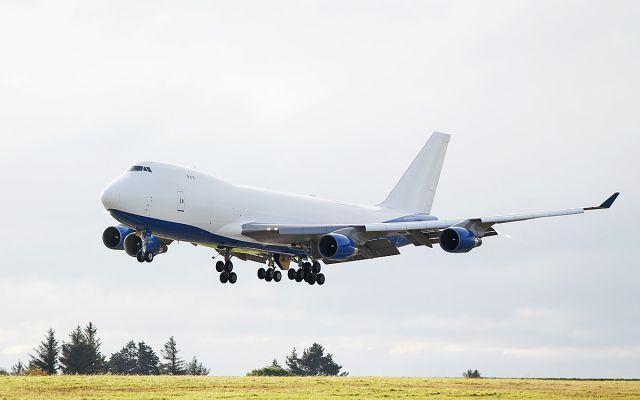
[609, 202]
[606, 204]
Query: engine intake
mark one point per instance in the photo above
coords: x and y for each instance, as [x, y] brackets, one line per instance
[113, 237]
[458, 240]
[133, 244]
[335, 246]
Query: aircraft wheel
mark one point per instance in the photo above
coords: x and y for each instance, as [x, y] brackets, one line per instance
[140, 256]
[320, 279]
[228, 266]
[261, 273]
[307, 275]
[306, 266]
[233, 277]
[311, 280]
[224, 277]
[316, 267]
[268, 278]
[291, 274]
[148, 256]
[277, 276]
[299, 275]
[220, 266]
[270, 273]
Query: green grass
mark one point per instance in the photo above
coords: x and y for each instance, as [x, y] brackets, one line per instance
[164, 387]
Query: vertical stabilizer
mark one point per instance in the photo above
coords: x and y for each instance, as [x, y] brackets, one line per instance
[416, 189]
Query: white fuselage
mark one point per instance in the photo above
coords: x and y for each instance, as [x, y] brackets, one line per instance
[178, 199]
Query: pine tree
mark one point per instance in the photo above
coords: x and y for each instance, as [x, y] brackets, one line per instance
[148, 362]
[194, 367]
[81, 355]
[47, 352]
[173, 365]
[73, 353]
[293, 363]
[96, 363]
[125, 362]
[18, 368]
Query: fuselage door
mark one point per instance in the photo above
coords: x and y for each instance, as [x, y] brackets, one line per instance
[180, 201]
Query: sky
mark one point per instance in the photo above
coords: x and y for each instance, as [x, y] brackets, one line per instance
[335, 99]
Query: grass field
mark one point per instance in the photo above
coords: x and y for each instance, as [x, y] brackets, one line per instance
[120, 387]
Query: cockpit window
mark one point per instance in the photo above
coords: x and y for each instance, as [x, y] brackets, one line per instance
[139, 168]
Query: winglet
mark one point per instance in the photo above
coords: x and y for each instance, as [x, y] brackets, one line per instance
[606, 204]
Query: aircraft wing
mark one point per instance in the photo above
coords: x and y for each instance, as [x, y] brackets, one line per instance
[417, 232]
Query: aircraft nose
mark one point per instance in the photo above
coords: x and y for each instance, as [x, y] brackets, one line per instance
[110, 197]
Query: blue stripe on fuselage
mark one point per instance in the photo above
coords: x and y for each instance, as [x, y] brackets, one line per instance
[189, 233]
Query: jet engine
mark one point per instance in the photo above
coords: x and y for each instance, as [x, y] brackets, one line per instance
[113, 237]
[335, 246]
[458, 240]
[133, 244]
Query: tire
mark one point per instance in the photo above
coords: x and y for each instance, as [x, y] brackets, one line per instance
[220, 266]
[291, 274]
[140, 256]
[277, 276]
[268, 278]
[307, 275]
[270, 273]
[316, 267]
[311, 280]
[228, 266]
[320, 279]
[224, 277]
[233, 277]
[261, 273]
[148, 256]
[306, 266]
[299, 275]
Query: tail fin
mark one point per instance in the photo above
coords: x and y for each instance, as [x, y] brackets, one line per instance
[416, 189]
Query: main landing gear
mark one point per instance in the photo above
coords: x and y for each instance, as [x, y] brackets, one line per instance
[226, 271]
[269, 274]
[307, 272]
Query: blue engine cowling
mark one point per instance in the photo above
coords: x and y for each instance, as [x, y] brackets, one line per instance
[458, 240]
[335, 246]
[113, 237]
[133, 244]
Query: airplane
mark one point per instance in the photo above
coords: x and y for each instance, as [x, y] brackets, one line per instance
[157, 204]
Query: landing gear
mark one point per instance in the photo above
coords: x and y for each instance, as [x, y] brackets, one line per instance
[148, 256]
[140, 256]
[261, 273]
[226, 270]
[308, 272]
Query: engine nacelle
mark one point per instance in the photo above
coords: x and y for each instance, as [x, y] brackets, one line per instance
[113, 237]
[458, 240]
[133, 244]
[335, 246]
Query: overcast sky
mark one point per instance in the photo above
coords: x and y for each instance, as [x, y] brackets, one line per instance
[333, 99]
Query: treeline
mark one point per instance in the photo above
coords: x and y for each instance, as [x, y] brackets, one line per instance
[81, 355]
